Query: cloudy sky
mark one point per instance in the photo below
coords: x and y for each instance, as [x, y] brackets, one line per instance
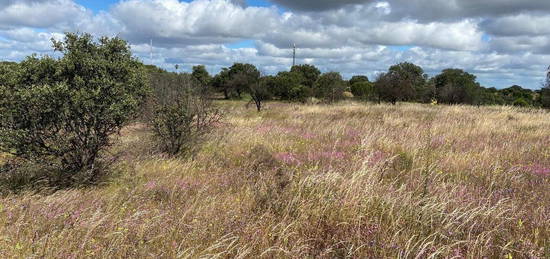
[503, 42]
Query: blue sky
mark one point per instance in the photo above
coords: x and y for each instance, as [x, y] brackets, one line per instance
[503, 42]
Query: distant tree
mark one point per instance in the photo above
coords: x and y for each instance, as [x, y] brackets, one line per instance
[514, 93]
[545, 91]
[363, 90]
[282, 84]
[221, 83]
[403, 82]
[259, 92]
[61, 113]
[330, 87]
[201, 75]
[242, 76]
[413, 80]
[491, 96]
[309, 73]
[358, 79]
[456, 86]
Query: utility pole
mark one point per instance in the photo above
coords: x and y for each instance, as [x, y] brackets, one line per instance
[294, 55]
[151, 52]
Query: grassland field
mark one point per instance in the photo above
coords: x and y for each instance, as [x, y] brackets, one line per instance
[310, 181]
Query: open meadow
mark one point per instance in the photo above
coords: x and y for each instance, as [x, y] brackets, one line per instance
[305, 181]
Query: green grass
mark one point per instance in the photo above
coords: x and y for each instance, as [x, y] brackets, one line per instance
[296, 181]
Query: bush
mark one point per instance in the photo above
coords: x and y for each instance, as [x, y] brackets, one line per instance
[60, 113]
[521, 102]
[182, 115]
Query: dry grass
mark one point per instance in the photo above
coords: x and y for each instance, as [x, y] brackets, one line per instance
[312, 181]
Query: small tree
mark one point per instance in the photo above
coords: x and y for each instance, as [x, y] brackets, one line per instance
[330, 87]
[62, 112]
[183, 113]
[201, 75]
[242, 76]
[259, 92]
[221, 83]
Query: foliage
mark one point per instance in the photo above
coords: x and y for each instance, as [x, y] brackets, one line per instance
[201, 75]
[60, 113]
[456, 86]
[221, 83]
[364, 90]
[403, 82]
[310, 74]
[358, 79]
[183, 113]
[330, 87]
[281, 85]
[241, 77]
[259, 92]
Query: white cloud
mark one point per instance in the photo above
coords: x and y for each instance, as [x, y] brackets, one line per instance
[39, 13]
[353, 37]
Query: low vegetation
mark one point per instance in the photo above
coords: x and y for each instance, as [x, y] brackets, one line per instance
[311, 181]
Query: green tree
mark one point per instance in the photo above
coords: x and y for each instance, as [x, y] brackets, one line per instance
[358, 79]
[515, 93]
[364, 90]
[403, 82]
[201, 75]
[221, 82]
[330, 87]
[282, 84]
[61, 112]
[310, 74]
[457, 86]
[241, 77]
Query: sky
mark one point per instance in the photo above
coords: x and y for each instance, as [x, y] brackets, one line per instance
[502, 42]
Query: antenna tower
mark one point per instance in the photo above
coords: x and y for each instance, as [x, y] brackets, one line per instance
[151, 51]
[294, 54]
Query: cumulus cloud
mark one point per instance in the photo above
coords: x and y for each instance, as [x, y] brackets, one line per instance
[308, 5]
[502, 41]
[444, 10]
[520, 24]
[39, 13]
[197, 22]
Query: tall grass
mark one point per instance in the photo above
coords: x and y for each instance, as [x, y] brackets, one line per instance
[350, 180]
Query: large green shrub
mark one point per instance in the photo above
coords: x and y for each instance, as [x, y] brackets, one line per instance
[60, 113]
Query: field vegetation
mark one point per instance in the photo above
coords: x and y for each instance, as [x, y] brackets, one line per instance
[103, 157]
[347, 180]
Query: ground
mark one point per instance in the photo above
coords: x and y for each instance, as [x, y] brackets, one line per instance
[295, 181]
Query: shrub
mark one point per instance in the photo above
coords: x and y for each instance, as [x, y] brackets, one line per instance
[182, 114]
[60, 113]
[520, 102]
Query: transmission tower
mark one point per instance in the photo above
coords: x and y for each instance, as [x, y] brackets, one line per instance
[294, 54]
[151, 52]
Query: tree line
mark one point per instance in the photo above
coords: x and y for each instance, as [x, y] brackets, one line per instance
[403, 82]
